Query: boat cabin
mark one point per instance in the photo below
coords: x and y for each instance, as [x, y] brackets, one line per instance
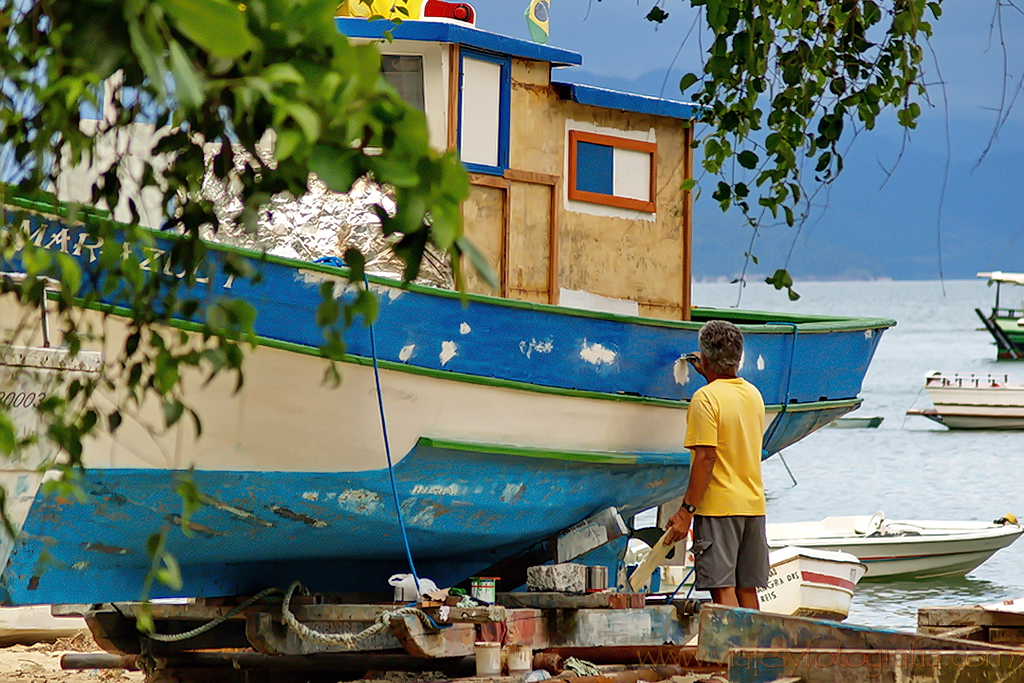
[576, 190]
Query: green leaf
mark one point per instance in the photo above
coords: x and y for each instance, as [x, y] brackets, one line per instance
[8, 436]
[657, 15]
[686, 81]
[334, 167]
[217, 26]
[189, 88]
[747, 159]
[479, 261]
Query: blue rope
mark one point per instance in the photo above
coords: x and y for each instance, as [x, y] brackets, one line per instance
[688, 575]
[785, 401]
[387, 451]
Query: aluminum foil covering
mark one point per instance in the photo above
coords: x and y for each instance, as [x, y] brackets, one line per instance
[320, 223]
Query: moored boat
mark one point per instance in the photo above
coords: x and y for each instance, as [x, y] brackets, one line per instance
[805, 582]
[974, 401]
[902, 549]
[1005, 322]
[509, 418]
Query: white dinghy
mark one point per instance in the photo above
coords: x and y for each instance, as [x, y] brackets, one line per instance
[905, 549]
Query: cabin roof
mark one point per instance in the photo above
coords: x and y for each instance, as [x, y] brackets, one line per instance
[445, 32]
[615, 99]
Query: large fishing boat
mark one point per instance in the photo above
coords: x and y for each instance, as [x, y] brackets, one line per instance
[509, 418]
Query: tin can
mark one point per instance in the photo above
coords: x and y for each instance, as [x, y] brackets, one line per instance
[597, 578]
[483, 588]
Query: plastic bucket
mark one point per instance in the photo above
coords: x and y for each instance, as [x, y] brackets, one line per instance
[520, 659]
[488, 659]
[483, 588]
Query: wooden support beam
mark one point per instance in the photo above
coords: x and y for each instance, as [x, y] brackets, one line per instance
[952, 617]
[687, 225]
[554, 288]
[454, 87]
[842, 665]
[725, 628]
[532, 177]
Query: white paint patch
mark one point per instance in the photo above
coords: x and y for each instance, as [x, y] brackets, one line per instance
[535, 346]
[332, 495]
[760, 362]
[435, 490]
[80, 566]
[868, 334]
[406, 352]
[681, 371]
[391, 293]
[312, 277]
[512, 492]
[311, 495]
[424, 517]
[464, 328]
[448, 351]
[595, 354]
[359, 501]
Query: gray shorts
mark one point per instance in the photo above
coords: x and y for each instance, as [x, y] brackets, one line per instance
[730, 552]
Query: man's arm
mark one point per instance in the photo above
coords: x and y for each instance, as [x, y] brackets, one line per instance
[704, 458]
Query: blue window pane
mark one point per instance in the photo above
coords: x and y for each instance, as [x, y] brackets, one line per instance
[594, 167]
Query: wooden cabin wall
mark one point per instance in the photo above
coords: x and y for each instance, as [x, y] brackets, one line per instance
[646, 261]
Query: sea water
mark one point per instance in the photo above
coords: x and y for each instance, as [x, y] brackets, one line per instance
[909, 467]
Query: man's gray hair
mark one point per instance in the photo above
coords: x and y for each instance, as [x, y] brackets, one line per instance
[721, 343]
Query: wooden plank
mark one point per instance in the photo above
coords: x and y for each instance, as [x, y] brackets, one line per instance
[488, 181]
[456, 641]
[687, 225]
[618, 627]
[542, 600]
[454, 86]
[1006, 636]
[554, 290]
[953, 617]
[724, 628]
[841, 665]
[534, 177]
[271, 636]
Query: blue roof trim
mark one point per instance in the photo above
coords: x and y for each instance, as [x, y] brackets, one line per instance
[444, 32]
[614, 99]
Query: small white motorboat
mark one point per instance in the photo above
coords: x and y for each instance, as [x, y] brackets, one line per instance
[974, 401]
[903, 549]
[802, 582]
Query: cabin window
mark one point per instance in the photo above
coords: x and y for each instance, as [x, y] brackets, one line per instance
[484, 112]
[404, 73]
[604, 169]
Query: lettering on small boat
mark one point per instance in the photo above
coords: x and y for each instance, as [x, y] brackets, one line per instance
[596, 354]
[21, 399]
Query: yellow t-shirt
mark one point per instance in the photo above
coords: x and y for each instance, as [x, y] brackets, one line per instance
[729, 415]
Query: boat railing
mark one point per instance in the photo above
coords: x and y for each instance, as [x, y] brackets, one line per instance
[49, 284]
[1002, 312]
[968, 380]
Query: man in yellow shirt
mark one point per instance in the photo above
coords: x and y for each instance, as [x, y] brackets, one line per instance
[725, 497]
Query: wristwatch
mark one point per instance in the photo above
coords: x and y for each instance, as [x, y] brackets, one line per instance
[689, 508]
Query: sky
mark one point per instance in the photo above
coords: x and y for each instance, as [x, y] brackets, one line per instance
[882, 217]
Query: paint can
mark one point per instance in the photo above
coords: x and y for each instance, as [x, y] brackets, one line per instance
[597, 578]
[488, 659]
[520, 659]
[483, 588]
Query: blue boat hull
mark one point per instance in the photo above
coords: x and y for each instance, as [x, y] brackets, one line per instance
[510, 422]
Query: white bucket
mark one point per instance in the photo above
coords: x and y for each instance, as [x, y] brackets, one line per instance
[405, 587]
[488, 659]
[520, 659]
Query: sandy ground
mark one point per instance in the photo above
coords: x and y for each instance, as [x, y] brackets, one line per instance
[40, 663]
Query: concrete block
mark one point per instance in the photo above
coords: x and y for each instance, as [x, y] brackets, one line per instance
[562, 578]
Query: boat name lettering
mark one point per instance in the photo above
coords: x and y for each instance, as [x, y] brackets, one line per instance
[21, 399]
[60, 239]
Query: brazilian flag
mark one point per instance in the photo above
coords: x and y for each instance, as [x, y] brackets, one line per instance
[537, 20]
